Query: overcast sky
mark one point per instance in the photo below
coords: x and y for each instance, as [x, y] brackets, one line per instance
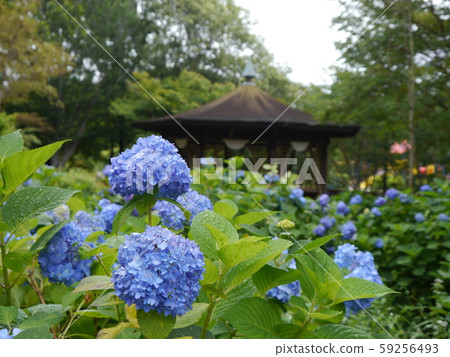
[298, 34]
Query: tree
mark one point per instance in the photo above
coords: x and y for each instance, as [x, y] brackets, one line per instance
[26, 60]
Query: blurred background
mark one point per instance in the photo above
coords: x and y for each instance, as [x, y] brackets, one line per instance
[389, 76]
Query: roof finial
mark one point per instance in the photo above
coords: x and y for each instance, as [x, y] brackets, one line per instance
[249, 73]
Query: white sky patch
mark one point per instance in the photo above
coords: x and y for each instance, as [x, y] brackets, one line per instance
[298, 33]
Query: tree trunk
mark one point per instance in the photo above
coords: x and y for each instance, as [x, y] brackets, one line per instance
[411, 96]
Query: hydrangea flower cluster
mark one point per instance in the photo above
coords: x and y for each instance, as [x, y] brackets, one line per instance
[284, 292]
[152, 163]
[319, 230]
[419, 217]
[323, 200]
[272, 178]
[392, 193]
[60, 260]
[356, 200]
[342, 208]
[375, 211]
[380, 201]
[442, 217]
[171, 215]
[4, 333]
[379, 243]
[59, 214]
[348, 230]
[360, 265]
[404, 198]
[108, 212]
[159, 270]
[107, 170]
[192, 201]
[425, 188]
[328, 222]
[297, 195]
[93, 223]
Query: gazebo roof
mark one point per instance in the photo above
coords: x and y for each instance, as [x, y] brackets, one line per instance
[250, 108]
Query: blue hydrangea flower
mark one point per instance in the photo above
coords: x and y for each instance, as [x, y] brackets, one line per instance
[284, 292]
[356, 200]
[443, 217]
[404, 198]
[59, 214]
[379, 243]
[419, 217]
[272, 178]
[85, 220]
[207, 161]
[319, 230]
[425, 188]
[151, 163]
[240, 174]
[28, 183]
[313, 206]
[392, 193]
[159, 270]
[342, 208]
[108, 212]
[296, 194]
[194, 202]
[380, 201]
[107, 170]
[328, 222]
[4, 333]
[375, 211]
[323, 200]
[171, 215]
[60, 260]
[360, 265]
[348, 230]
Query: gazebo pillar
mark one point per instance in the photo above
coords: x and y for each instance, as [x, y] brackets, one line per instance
[319, 154]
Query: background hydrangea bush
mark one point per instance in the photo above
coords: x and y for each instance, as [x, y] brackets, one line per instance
[203, 261]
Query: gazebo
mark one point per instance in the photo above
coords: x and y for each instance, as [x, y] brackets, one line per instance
[231, 124]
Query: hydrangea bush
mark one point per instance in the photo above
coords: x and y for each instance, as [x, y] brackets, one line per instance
[152, 250]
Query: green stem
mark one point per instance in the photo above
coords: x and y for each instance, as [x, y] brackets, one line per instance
[212, 305]
[149, 211]
[7, 287]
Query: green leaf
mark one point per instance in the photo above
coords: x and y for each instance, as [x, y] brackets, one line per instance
[226, 208]
[255, 231]
[251, 217]
[34, 333]
[42, 319]
[46, 236]
[212, 290]
[192, 316]
[333, 331]
[10, 144]
[269, 277]
[8, 314]
[254, 318]
[111, 332]
[31, 202]
[356, 288]
[96, 282]
[242, 291]
[17, 261]
[211, 273]
[203, 236]
[327, 315]
[241, 250]
[123, 214]
[244, 270]
[21, 165]
[191, 331]
[307, 246]
[220, 237]
[154, 325]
